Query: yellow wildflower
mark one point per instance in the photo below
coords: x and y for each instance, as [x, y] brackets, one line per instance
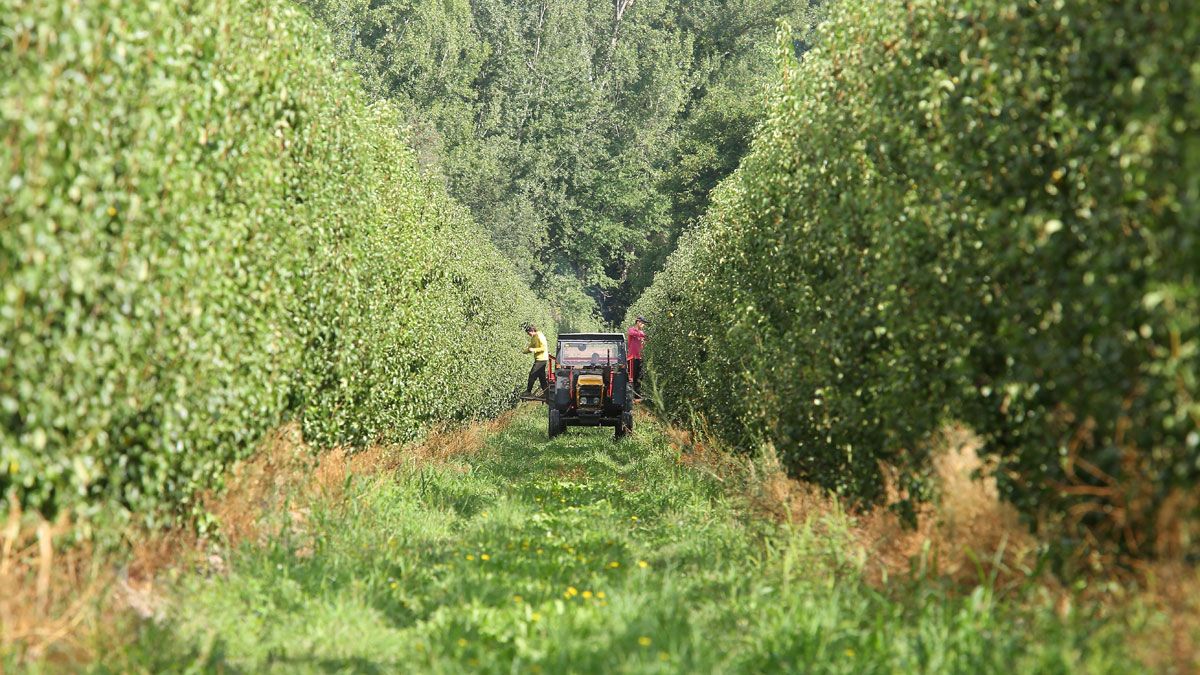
[663, 656]
[485, 557]
[600, 594]
[462, 642]
[535, 617]
[614, 565]
[470, 557]
[587, 595]
[643, 564]
[518, 599]
[112, 211]
[571, 592]
[644, 641]
[633, 518]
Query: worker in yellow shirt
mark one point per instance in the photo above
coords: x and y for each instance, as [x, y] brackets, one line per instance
[541, 358]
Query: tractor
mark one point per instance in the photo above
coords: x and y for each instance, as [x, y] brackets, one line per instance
[590, 384]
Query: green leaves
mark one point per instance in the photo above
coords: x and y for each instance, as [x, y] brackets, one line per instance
[958, 214]
[200, 240]
[582, 142]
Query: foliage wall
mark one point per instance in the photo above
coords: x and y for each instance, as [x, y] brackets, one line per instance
[206, 230]
[978, 211]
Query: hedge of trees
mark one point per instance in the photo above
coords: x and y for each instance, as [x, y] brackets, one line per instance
[974, 211]
[206, 230]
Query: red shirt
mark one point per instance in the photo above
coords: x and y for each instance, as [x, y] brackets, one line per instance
[637, 338]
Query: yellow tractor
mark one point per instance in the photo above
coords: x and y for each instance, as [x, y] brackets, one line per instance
[590, 384]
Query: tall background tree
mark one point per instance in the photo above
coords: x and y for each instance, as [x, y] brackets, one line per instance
[584, 136]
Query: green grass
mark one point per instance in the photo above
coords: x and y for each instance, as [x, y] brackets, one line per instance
[581, 555]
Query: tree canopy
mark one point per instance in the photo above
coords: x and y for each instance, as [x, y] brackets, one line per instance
[584, 136]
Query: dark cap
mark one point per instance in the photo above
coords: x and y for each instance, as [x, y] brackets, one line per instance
[643, 320]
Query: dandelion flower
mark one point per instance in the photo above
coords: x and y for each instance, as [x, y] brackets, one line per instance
[485, 557]
[600, 594]
[663, 656]
[644, 641]
[571, 592]
[587, 595]
[633, 518]
[643, 564]
[470, 557]
[518, 599]
[614, 565]
[535, 617]
[462, 642]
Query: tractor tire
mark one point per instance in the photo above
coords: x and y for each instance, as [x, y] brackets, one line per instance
[554, 423]
[623, 427]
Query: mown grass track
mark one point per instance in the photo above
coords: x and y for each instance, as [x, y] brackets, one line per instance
[581, 555]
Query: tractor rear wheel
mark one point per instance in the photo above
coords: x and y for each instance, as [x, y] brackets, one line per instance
[624, 427]
[554, 423]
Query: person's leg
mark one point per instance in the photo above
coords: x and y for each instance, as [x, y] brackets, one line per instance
[533, 376]
[542, 376]
[637, 376]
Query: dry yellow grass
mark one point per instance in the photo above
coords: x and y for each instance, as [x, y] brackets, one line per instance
[46, 591]
[970, 534]
[61, 599]
[1172, 588]
[967, 530]
[64, 603]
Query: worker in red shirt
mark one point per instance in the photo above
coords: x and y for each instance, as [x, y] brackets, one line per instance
[636, 338]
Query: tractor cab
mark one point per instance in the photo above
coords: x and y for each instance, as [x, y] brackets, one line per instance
[591, 386]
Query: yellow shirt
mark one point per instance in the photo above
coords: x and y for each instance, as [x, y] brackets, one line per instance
[537, 347]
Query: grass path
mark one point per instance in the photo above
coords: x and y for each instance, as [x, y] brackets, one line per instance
[581, 555]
